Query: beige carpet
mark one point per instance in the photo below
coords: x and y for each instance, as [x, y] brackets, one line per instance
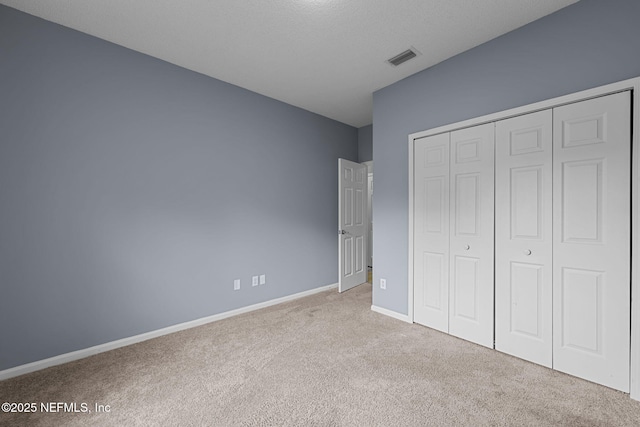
[324, 360]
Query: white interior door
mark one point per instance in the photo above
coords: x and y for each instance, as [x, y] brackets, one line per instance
[352, 223]
[431, 232]
[524, 237]
[471, 298]
[591, 272]
[370, 220]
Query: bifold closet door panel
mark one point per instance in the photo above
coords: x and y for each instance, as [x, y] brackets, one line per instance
[523, 237]
[471, 235]
[431, 232]
[591, 248]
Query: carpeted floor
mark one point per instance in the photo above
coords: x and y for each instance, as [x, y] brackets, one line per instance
[324, 360]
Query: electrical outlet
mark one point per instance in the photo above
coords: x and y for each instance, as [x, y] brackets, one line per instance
[236, 285]
[263, 279]
[254, 281]
[383, 283]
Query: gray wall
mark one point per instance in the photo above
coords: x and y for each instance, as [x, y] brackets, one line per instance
[588, 44]
[133, 192]
[365, 143]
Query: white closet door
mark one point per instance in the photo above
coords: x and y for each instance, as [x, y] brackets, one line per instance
[591, 298]
[523, 237]
[431, 232]
[471, 238]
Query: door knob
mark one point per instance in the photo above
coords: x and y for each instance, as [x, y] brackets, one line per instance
[467, 247]
[342, 232]
[527, 252]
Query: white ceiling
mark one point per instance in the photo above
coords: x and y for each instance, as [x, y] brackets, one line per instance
[326, 56]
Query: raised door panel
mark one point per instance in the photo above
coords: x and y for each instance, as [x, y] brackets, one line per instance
[347, 212]
[525, 295]
[359, 260]
[359, 207]
[467, 204]
[592, 245]
[433, 265]
[465, 290]
[471, 240]
[523, 237]
[582, 207]
[347, 260]
[580, 321]
[431, 232]
[435, 212]
[527, 195]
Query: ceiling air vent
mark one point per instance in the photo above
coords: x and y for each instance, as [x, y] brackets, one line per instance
[403, 57]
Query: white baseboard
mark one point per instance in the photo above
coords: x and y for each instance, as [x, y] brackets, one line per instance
[390, 313]
[80, 354]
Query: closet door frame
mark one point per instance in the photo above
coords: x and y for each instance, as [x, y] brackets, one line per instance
[631, 84]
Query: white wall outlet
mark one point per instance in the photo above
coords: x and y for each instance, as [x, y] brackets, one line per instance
[236, 284]
[383, 283]
[254, 281]
[263, 279]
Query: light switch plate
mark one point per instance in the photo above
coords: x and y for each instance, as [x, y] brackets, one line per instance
[254, 281]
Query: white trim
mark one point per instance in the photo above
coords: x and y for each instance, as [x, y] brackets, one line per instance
[390, 313]
[80, 354]
[369, 165]
[631, 84]
[411, 230]
[635, 248]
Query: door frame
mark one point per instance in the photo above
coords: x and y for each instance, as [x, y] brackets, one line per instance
[630, 84]
[369, 165]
